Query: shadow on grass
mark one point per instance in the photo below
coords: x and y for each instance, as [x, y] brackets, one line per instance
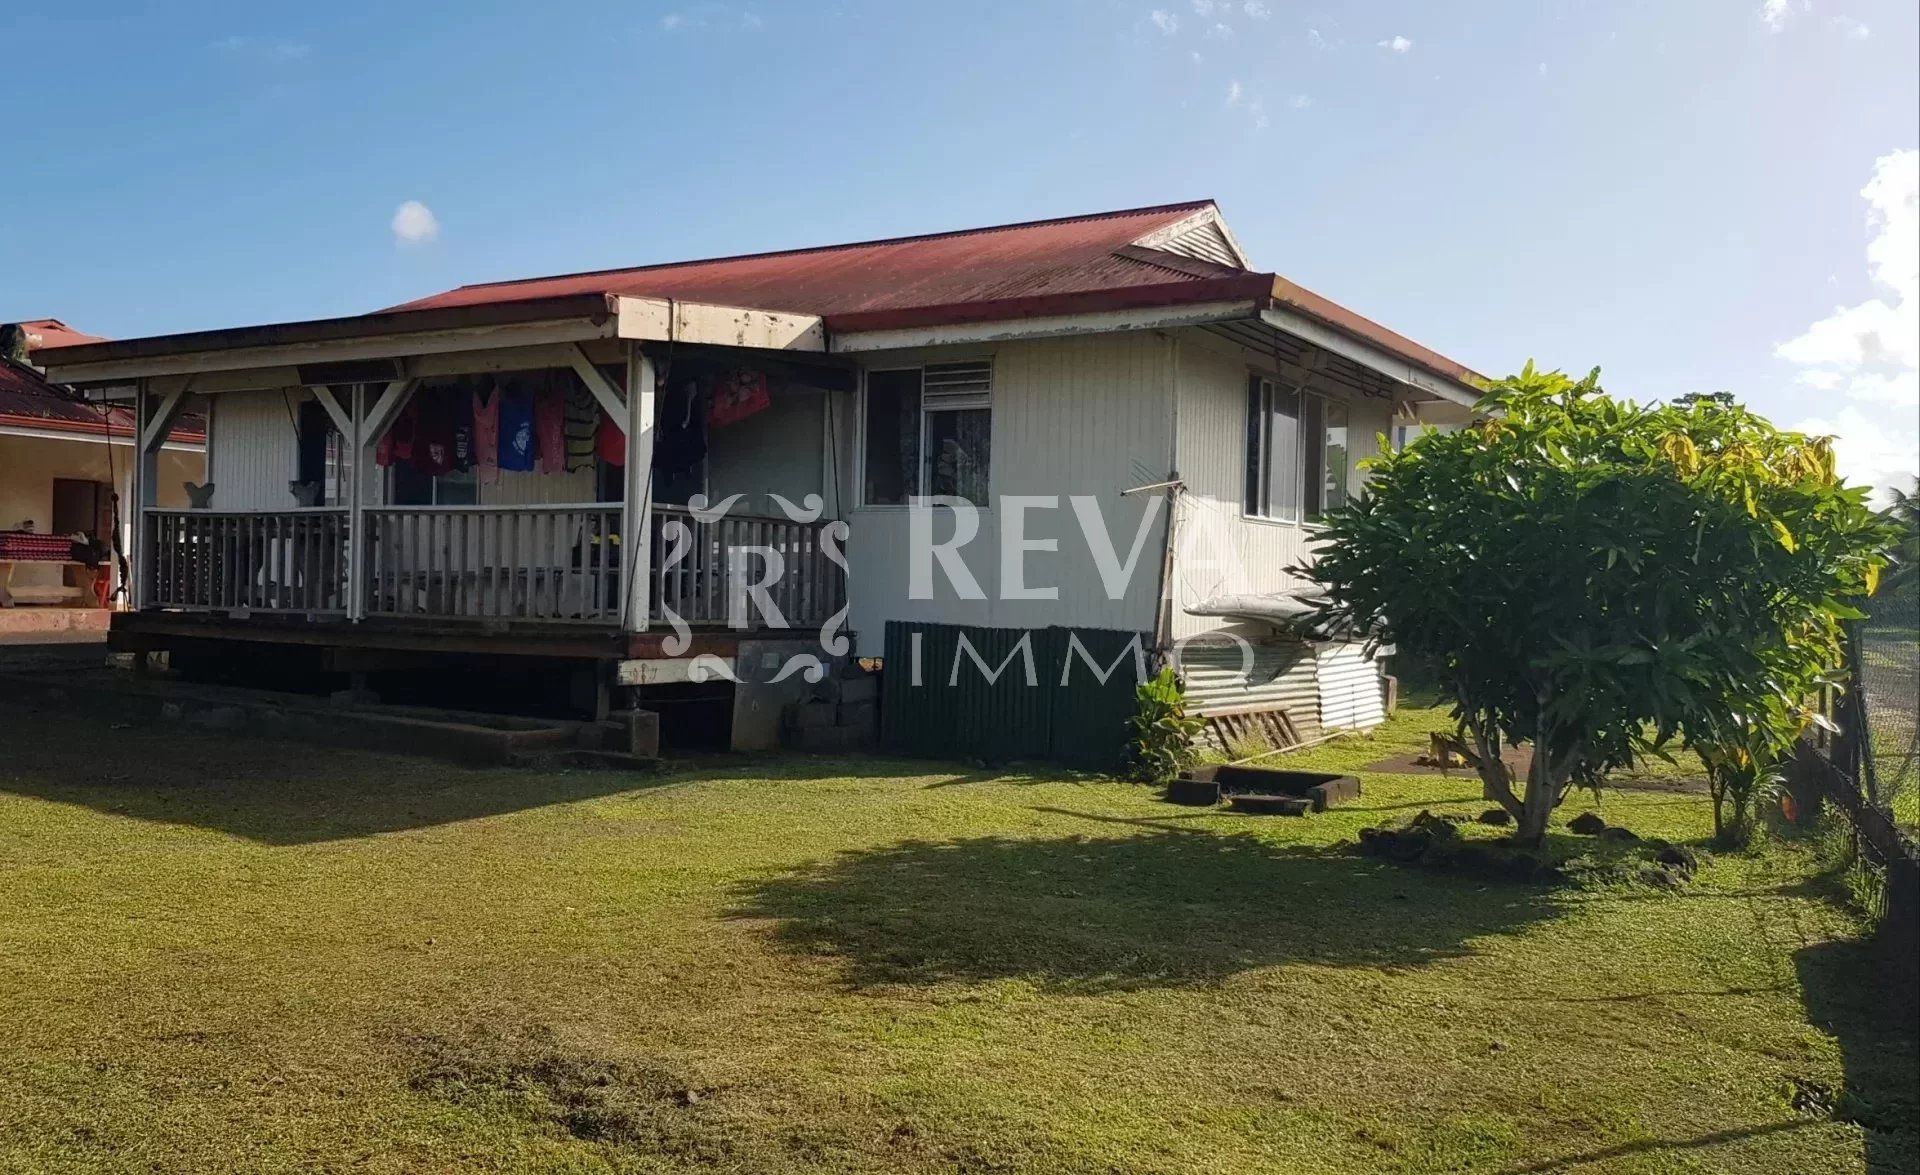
[270, 791]
[1855, 992]
[1164, 909]
[283, 792]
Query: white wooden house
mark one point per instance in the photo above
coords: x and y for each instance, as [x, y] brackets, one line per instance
[1135, 358]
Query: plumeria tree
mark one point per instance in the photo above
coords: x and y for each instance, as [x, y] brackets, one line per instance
[1599, 578]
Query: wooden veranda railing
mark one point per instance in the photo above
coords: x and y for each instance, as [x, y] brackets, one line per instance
[705, 572]
[292, 561]
[550, 563]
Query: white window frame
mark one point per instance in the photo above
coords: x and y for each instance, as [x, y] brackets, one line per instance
[1251, 509]
[984, 400]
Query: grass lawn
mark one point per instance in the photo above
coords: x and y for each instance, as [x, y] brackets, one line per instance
[225, 955]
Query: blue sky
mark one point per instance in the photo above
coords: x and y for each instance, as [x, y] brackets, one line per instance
[1672, 190]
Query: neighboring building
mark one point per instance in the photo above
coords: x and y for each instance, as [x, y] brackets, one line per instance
[1093, 355]
[61, 462]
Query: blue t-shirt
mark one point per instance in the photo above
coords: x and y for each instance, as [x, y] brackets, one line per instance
[516, 432]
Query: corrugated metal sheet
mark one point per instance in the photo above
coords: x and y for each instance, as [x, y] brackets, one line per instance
[1349, 688]
[938, 700]
[1017, 260]
[29, 401]
[1283, 675]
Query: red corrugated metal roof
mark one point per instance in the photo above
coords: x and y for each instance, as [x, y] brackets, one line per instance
[1018, 261]
[51, 332]
[1074, 265]
[27, 400]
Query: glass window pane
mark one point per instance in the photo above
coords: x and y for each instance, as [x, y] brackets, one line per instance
[959, 447]
[892, 454]
[1283, 449]
[1254, 498]
[456, 489]
[1313, 476]
[1335, 457]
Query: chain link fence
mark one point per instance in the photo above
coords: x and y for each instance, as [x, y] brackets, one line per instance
[1884, 665]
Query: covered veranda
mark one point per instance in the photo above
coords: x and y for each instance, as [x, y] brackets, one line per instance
[623, 549]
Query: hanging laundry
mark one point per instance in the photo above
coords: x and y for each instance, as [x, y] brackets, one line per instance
[582, 409]
[610, 441]
[397, 445]
[433, 434]
[461, 406]
[737, 395]
[550, 429]
[517, 446]
[485, 409]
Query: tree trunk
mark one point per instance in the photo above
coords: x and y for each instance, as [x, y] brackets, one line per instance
[1536, 807]
[1543, 795]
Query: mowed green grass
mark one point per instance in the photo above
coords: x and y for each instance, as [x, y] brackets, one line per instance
[221, 954]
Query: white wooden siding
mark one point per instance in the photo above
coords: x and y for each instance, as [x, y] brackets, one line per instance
[1221, 551]
[251, 451]
[1204, 241]
[778, 450]
[1071, 416]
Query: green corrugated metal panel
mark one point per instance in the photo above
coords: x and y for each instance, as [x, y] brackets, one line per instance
[986, 705]
[1089, 716]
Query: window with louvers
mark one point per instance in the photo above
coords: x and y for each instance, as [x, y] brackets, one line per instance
[928, 432]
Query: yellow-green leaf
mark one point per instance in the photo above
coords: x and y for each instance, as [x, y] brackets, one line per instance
[1786, 536]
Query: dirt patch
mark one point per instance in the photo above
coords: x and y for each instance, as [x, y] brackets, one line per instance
[621, 1101]
[1519, 760]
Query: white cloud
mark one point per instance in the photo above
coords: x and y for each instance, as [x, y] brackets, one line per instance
[1397, 44]
[1543, 69]
[673, 20]
[1856, 29]
[1256, 10]
[1775, 13]
[751, 20]
[1203, 7]
[1300, 101]
[1315, 40]
[1233, 93]
[1869, 353]
[415, 224]
[273, 50]
[1258, 111]
[1165, 21]
[1220, 32]
[1195, 54]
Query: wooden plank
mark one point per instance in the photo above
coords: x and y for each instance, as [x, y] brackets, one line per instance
[604, 393]
[341, 420]
[392, 346]
[407, 634]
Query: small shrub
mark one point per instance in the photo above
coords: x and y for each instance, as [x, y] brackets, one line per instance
[1163, 732]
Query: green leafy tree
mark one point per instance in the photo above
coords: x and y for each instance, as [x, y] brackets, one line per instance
[1596, 577]
[1905, 514]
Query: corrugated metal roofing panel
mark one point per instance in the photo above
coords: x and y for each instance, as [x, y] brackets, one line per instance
[1350, 696]
[1283, 676]
[990, 264]
[27, 400]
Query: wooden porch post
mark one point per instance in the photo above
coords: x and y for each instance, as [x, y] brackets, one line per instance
[153, 418]
[139, 493]
[356, 500]
[636, 519]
